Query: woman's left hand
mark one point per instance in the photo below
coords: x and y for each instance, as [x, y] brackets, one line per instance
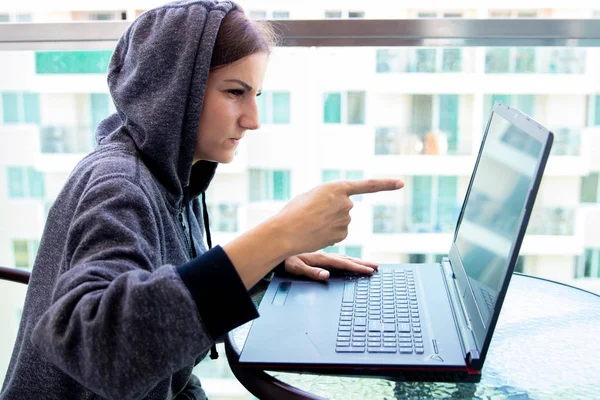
[313, 265]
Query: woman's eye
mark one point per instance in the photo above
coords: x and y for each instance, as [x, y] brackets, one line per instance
[236, 92]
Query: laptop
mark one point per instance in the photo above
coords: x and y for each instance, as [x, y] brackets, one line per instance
[425, 322]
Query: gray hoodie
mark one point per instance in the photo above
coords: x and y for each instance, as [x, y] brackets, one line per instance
[124, 299]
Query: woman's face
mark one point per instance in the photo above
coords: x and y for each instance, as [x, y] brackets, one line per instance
[229, 108]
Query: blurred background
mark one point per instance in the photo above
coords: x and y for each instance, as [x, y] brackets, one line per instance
[327, 113]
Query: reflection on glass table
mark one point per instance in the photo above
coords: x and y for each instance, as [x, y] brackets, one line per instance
[544, 347]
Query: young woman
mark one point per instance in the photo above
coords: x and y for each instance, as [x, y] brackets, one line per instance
[125, 296]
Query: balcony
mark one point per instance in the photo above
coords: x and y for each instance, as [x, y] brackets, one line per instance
[423, 60]
[532, 60]
[418, 140]
[64, 139]
[552, 221]
[416, 218]
[567, 141]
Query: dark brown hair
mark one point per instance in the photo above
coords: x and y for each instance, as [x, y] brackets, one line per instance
[239, 37]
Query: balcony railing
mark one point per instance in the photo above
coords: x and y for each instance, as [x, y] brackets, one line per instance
[416, 218]
[567, 141]
[400, 32]
[524, 60]
[442, 218]
[419, 140]
[426, 60]
[552, 221]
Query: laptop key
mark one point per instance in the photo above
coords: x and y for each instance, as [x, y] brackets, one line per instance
[403, 327]
[350, 349]
[349, 288]
[381, 349]
[374, 326]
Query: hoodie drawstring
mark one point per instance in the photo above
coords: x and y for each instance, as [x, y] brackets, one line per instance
[213, 350]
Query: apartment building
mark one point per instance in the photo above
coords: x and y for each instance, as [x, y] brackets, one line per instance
[416, 113]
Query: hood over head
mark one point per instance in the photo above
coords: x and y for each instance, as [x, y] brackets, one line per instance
[157, 78]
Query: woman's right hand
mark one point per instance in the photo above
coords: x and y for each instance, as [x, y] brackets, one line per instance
[320, 217]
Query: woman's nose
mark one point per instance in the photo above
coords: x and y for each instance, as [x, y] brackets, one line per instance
[250, 119]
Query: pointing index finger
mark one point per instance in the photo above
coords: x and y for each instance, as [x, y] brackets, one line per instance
[372, 186]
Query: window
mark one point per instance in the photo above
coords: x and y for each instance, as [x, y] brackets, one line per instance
[333, 14]
[416, 60]
[25, 182]
[281, 15]
[102, 15]
[448, 119]
[338, 14]
[510, 60]
[356, 14]
[72, 62]
[329, 175]
[356, 108]
[224, 217]
[274, 107]
[20, 108]
[79, 136]
[434, 206]
[16, 17]
[348, 250]
[435, 121]
[353, 103]
[258, 14]
[589, 264]
[388, 219]
[101, 106]
[596, 112]
[23, 17]
[439, 14]
[451, 60]
[332, 109]
[589, 188]
[507, 13]
[268, 185]
[24, 252]
[500, 14]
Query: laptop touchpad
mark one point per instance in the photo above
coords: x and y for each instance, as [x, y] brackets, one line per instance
[300, 293]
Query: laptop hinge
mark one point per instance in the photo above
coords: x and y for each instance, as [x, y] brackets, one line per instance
[465, 331]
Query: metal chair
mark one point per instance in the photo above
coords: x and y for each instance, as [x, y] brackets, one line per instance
[14, 275]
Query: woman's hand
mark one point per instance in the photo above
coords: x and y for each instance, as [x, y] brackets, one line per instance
[320, 217]
[313, 265]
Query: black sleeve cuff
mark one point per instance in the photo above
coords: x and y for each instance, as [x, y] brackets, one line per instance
[280, 268]
[222, 300]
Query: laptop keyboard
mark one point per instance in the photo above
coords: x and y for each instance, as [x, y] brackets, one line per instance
[380, 314]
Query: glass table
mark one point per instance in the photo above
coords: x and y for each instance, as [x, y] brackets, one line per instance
[546, 346]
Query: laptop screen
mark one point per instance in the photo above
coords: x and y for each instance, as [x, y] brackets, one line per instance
[492, 214]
